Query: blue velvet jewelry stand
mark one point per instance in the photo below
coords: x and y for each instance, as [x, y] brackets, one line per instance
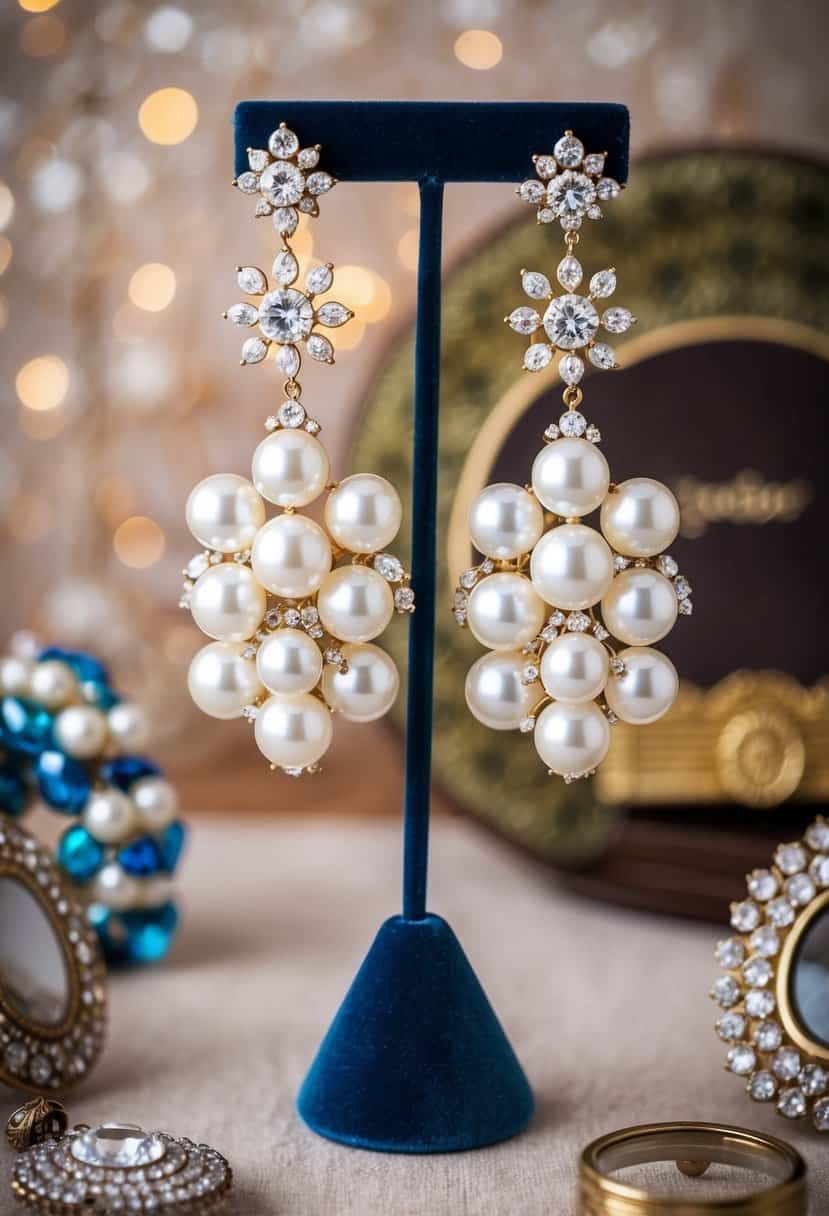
[415, 1060]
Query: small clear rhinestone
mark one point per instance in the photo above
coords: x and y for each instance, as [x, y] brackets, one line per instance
[819, 870]
[283, 143]
[767, 1036]
[617, 320]
[569, 151]
[545, 166]
[790, 858]
[820, 1115]
[308, 158]
[197, 565]
[780, 912]
[745, 916]
[333, 314]
[603, 284]
[285, 220]
[569, 272]
[600, 632]
[762, 1087]
[730, 953]
[607, 189]
[526, 725]
[545, 215]
[620, 562]
[389, 567]
[531, 191]
[469, 578]
[800, 889]
[813, 1080]
[258, 159]
[685, 607]
[617, 666]
[538, 356]
[792, 1103]
[524, 320]
[292, 618]
[682, 587]
[287, 360]
[551, 432]
[578, 622]
[254, 350]
[291, 414]
[593, 434]
[602, 355]
[319, 279]
[319, 182]
[320, 348]
[731, 1026]
[248, 183]
[249, 712]
[594, 163]
[536, 285]
[571, 369]
[530, 674]
[759, 1003]
[282, 184]
[762, 885]
[572, 424]
[667, 565]
[764, 941]
[786, 1064]
[817, 836]
[243, 314]
[404, 599]
[251, 280]
[742, 1059]
[757, 971]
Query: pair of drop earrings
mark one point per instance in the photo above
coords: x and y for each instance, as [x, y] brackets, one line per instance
[294, 606]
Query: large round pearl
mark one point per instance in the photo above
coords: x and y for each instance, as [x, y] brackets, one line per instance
[648, 688]
[574, 668]
[228, 602]
[115, 888]
[571, 567]
[505, 521]
[155, 801]
[495, 692]
[640, 607]
[15, 674]
[291, 556]
[367, 689]
[363, 514]
[109, 816]
[81, 730]
[221, 682]
[355, 604]
[641, 517]
[289, 662]
[505, 611]
[224, 512]
[572, 739]
[128, 725]
[293, 732]
[290, 468]
[570, 477]
[53, 683]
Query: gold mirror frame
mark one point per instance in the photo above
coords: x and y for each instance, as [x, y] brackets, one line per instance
[35, 1056]
[768, 1045]
[681, 237]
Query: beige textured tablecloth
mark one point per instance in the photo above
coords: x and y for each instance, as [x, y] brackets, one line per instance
[606, 1009]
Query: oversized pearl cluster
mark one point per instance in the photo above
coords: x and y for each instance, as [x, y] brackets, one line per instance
[570, 613]
[294, 606]
[67, 737]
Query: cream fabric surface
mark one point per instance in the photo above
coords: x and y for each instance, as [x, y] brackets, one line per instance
[606, 1009]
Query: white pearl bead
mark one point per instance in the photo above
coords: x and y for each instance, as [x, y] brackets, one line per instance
[570, 477]
[221, 682]
[155, 801]
[228, 603]
[115, 888]
[495, 692]
[571, 567]
[53, 683]
[293, 732]
[224, 512]
[290, 468]
[368, 688]
[81, 731]
[648, 688]
[641, 517]
[15, 674]
[640, 607]
[355, 604]
[291, 556]
[109, 816]
[363, 514]
[289, 662]
[505, 611]
[505, 521]
[572, 739]
[128, 725]
[574, 668]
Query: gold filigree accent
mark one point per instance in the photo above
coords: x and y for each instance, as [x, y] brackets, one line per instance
[35, 1121]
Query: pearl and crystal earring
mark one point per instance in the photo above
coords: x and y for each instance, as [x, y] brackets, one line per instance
[551, 590]
[293, 606]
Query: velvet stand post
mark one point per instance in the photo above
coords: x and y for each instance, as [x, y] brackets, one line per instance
[416, 1060]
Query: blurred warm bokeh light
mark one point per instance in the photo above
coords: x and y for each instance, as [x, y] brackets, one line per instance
[479, 49]
[168, 116]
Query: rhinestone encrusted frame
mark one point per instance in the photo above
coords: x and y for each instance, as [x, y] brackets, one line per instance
[761, 1050]
[33, 1056]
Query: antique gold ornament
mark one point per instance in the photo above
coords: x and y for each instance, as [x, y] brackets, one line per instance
[292, 606]
[110, 1168]
[552, 593]
[775, 985]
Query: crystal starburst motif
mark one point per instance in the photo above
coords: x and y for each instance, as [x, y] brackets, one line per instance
[570, 321]
[570, 186]
[285, 179]
[287, 316]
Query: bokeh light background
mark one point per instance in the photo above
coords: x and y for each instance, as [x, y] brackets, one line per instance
[119, 234]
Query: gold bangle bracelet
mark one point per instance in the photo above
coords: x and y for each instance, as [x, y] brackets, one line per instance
[693, 1146]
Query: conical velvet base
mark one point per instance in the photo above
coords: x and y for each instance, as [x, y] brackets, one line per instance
[415, 1060]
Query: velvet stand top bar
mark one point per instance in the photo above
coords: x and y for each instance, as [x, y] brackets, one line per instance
[447, 141]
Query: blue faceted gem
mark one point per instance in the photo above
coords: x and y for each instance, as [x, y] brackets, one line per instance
[12, 791]
[85, 666]
[25, 726]
[141, 935]
[79, 854]
[142, 857]
[172, 842]
[63, 782]
[124, 770]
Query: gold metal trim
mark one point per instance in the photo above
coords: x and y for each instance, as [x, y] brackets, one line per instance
[696, 1144]
[785, 1005]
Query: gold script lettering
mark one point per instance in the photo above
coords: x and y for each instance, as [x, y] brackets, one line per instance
[747, 499]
